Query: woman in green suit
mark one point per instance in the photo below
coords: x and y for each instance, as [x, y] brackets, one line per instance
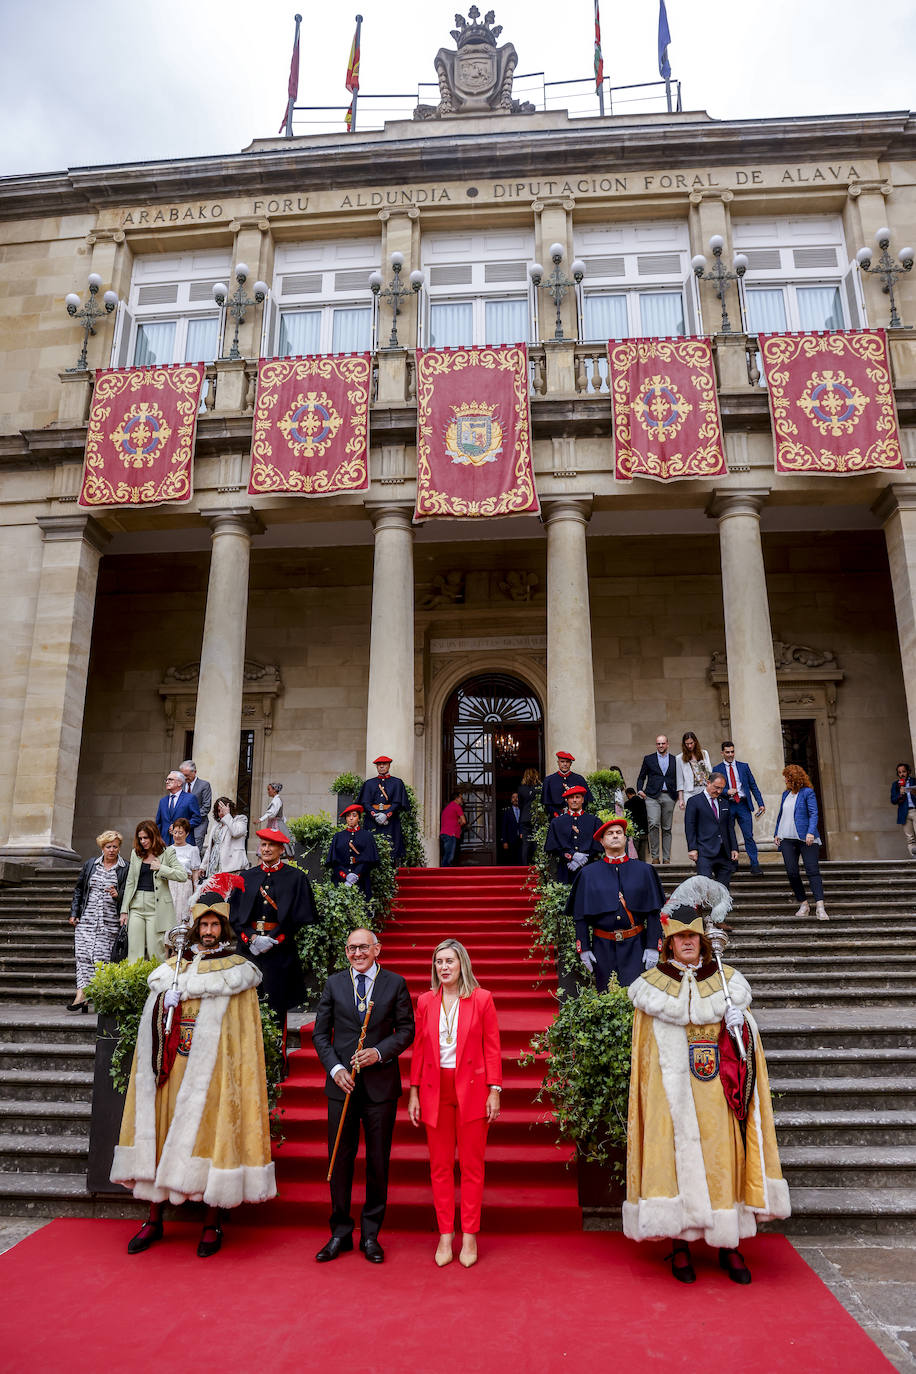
[147, 908]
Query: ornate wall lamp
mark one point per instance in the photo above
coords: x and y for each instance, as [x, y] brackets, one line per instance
[886, 269]
[718, 275]
[238, 302]
[557, 284]
[89, 313]
[395, 292]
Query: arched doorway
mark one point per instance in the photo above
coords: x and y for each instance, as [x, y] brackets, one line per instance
[492, 730]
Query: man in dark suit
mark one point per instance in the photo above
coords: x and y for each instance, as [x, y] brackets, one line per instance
[740, 787]
[511, 832]
[657, 785]
[175, 803]
[370, 1076]
[200, 789]
[710, 832]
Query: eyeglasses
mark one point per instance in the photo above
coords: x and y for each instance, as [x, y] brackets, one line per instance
[357, 949]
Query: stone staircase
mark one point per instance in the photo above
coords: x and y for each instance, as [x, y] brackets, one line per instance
[835, 1002]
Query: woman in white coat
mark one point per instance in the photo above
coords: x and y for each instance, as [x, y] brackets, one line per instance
[273, 818]
[225, 851]
[693, 769]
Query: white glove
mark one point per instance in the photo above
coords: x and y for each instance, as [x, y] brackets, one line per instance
[588, 960]
[650, 958]
[734, 1018]
[351, 878]
[382, 818]
[171, 999]
[576, 862]
[260, 944]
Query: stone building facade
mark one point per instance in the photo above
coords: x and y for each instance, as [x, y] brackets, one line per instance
[289, 638]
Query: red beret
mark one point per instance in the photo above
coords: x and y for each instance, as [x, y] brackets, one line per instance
[275, 836]
[617, 820]
[562, 754]
[355, 807]
[575, 792]
[382, 758]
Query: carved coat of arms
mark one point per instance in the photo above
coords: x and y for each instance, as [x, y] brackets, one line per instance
[477, 78]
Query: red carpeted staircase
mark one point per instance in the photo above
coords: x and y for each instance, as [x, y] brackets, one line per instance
[528, 1184]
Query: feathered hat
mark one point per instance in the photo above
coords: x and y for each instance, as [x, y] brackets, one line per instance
[683, 910]
[213, 894]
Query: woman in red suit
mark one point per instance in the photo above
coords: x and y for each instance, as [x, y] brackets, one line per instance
[455, 1083]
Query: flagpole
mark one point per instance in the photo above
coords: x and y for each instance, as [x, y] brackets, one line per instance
[291, 101]
[359, 25]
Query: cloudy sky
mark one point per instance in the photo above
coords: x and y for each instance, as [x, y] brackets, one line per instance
[111, 81]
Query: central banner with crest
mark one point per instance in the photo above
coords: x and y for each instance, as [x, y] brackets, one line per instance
[474, 433]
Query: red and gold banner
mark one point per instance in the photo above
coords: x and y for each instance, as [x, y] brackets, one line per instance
[474, 433]
[311, 425]
[666, 410]
[140, 441]
[832, 402]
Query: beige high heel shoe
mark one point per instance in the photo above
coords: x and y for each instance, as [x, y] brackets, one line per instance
[468, 1254]
[444, 1254]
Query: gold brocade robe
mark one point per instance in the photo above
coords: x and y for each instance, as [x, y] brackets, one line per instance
[689, 1173]
[204, 1135]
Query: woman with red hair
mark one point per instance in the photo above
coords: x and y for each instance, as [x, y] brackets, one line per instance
[797, 837]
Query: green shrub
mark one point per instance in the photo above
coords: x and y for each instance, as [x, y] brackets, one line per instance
[415, 856]
[273, 1063]
[121, 990]
[321, 946]
[587, 1070]
[314, 832]
[604, 782]
[384, 882]
[347, 782]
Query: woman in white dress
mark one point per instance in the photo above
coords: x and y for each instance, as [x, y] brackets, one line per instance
[188, 855]
[693, 769]
[273, 817]
[225, 851]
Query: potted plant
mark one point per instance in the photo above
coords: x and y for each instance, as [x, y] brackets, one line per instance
[321, 946]
[586, 1052]
[608, 790]
[312, 836]
[347, 787]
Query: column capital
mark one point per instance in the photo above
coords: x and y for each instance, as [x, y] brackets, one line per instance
[895, 496]
[390, 515]
[749, 501]
[233, 520]
[65, 528]
[576, 508]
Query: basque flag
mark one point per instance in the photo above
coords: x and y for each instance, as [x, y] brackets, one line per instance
[599, 60]
[664, 38]
[292, 89]
[352, 81]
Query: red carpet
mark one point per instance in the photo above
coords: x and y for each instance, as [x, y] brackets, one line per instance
[527, 1179]
[535, 1304]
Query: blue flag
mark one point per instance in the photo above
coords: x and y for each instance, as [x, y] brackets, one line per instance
[664, 38]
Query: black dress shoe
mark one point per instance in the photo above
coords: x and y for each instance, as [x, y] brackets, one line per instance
[206, 1248]
[756, 871]
[337, 1245]
[732, 1261]
[681, 1266]
[372, 1250]
[78, 1006]
[149, 1233]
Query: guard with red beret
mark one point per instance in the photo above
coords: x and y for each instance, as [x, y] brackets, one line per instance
[274, 902]
[571, 837]
[353, 853]
[555, 784]
[615, 904]
[384, 798]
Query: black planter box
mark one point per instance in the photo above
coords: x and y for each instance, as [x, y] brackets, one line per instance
[344, 799]
[311, 861]
[107, 1110]
[601, 1192]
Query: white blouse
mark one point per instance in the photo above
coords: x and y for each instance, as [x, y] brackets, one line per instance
[686, 778]
[448, 1026]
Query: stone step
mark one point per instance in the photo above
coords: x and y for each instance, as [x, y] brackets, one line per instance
[846, 1093]
[791, 994]
[16, 991]
[791, 1065]
[830, 1128]
[43, 1085]
[39, 1054]
[18, 1024]
[881, 1211]
[59, 1195]
[849, 1166]
[45, 1154]
[47, 1118]
[814, 964]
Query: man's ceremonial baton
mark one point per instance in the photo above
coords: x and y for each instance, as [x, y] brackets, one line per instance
[343, 1115]
[177, 938]
[718, 939]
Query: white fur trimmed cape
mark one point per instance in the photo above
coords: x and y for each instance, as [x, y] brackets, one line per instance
[690, 1175]
[204, 1135]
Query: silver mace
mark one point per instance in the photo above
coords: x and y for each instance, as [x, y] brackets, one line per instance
[177, 939]
[718, 940]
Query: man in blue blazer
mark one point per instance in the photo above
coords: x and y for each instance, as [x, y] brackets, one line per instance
[740, 787]
[710, 832]
[903, 796]
[657, 785]
[175, 803]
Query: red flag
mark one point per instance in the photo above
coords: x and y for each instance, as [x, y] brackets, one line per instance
[292, 89]
[599, 60]
[352, 81]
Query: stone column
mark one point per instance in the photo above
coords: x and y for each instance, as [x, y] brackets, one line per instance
[896, 509]
[570, 674]
[389, 720]
[753, 693]
[218, 715]
[44, 796]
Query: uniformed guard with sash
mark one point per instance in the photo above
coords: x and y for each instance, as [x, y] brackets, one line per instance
[383, 798]
[615, 904]
[353, 853]
[571, 837]
[555, 784]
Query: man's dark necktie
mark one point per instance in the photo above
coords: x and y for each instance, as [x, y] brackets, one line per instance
[361, 990]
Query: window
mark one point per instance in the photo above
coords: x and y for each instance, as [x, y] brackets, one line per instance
[798, 275]
[477, 289]
[170, 316]
[321, 301]
[637, 281]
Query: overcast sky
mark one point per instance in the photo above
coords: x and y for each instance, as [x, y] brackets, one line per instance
[110, 81]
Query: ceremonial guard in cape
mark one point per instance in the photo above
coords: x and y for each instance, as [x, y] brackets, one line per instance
[702, 1162]
[273, 903]
[615, 904]
[555, 784]
[384, 798]
[363, 1022]
[196, 1124]
[353, 853]
[571, 837]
